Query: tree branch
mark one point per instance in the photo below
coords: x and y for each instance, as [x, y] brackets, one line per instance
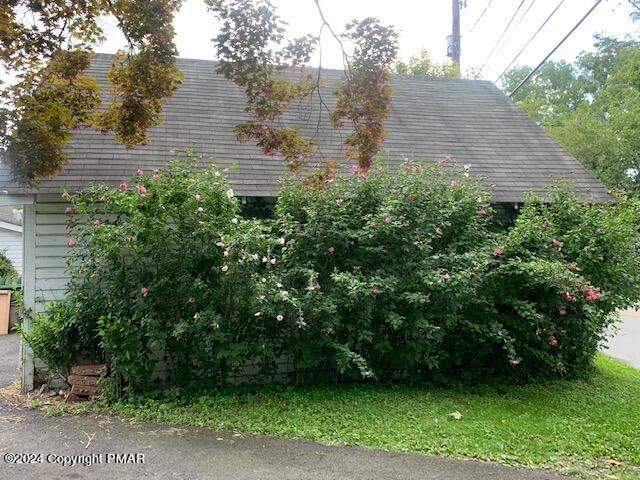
[345, 57]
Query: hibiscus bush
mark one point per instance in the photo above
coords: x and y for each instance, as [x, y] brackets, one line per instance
[383, 267]
[401, 275]
[565, 269]
[167, 277]
[404, 275]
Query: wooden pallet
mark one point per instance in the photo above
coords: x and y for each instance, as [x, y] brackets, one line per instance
[84, 381]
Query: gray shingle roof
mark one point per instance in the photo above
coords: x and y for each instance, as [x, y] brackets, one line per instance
[469, 119]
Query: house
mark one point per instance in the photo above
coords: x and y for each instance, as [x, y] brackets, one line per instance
[11, 235]
[470, 120]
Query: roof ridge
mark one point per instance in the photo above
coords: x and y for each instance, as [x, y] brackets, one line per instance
[330, 70]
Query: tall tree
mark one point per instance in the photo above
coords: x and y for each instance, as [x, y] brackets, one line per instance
[556, 90]
[422, 64]
[592, 107]
[48, 46]
[364, 94]
[605, 134]
[253, 54]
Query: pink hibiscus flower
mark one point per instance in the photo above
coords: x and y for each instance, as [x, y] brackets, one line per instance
[123, 186]
[339, 201]
[331, 249]
[498, 252]
[592, 295]
[144, 291]
[562, 312]
[454, 183]
[71, 243]
[387, 219]
[553, 341]
[139, 173]
[443, 160]
[68, 210]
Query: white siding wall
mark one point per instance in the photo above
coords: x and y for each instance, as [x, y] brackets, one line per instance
[28, 290]
[50, 250]
[45, 277]
[11, 244]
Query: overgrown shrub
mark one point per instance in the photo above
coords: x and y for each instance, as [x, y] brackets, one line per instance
[384, 266]
[57, 337]
[566, 268]
[165, 272]
[399, 275]
[7, 270]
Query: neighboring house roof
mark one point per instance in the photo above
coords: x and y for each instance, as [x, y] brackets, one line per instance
[10, 226]
[471, 120]
[11, 216]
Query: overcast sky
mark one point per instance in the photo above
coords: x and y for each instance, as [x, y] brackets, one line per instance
[426, 23]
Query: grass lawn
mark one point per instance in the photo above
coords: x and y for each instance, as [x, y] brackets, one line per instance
[575, 427]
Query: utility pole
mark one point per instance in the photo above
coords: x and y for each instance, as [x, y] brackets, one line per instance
[453, 41]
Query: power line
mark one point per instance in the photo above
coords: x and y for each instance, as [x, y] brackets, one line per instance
[524, 14]
[501, 36]
[530, 40]
[481, 15]
[515, 27]
[528, 77]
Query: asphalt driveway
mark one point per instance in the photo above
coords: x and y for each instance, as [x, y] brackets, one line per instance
[625, 344]
[188, 453]
[9, 351]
